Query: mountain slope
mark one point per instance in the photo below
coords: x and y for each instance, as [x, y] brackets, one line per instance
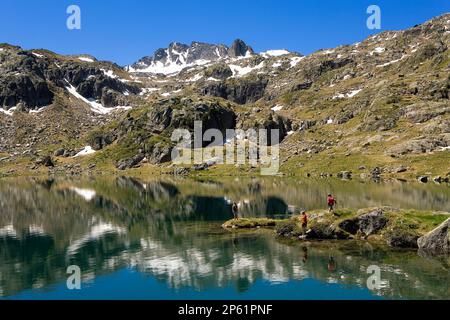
[378, 106]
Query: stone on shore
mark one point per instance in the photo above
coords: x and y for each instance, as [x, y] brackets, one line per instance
[437, 240]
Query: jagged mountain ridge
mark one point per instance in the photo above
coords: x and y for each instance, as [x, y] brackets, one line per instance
[179, 56]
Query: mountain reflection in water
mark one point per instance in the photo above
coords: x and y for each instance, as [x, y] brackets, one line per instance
[170, 230]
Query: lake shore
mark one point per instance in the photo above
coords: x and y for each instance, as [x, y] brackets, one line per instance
[398, 228]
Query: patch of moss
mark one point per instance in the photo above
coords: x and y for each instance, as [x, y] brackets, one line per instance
[250, 223]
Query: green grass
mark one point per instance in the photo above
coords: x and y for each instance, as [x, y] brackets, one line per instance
[250, 223]
[407, 221]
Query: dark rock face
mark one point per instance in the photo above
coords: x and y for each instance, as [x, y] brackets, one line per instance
[92, 83]
[438, 240]
[33, 92]
[153, 130]
[205, 51]
[22, 79]
[31, 79]
[182, 114]
[239, 91]
[239, 49]
[366, 224]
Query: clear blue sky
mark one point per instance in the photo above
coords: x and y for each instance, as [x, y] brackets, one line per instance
[125, 30]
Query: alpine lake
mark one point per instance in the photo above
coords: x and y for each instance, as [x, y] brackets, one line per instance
[162, 239]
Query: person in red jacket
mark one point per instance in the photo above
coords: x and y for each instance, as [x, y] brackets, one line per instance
[331, 202]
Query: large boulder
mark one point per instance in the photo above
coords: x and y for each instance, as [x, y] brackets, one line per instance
[130, 162]
[366, 224]
[323, 231]
[438, 240]
[400, 238]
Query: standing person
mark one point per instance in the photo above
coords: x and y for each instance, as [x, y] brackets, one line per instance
[331, 201]
[304, 221]
[235, 209]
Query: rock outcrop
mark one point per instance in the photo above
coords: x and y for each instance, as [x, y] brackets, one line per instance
[240, 91]
[366, 224]
[438, 240]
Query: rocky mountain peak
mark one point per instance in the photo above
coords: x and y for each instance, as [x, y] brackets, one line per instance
[179, 56]
[239, 49]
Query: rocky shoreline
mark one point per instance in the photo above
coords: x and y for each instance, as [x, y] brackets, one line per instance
[398, 228]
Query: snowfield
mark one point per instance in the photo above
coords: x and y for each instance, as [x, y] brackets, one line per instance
[95, 106]
[274, 53]
[85, 59]
[350, 94]
[277, 108]
[239, 71]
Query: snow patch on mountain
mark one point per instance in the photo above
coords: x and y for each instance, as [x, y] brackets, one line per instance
[95, 106]
[392, 62]
[85, 152]
[377, 50]
[8, 112]
[350, 94]
[239, 71]
[85, 59]
[274, 53]
[37, 55]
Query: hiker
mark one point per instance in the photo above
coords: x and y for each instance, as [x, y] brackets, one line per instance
[331, 202]
[304, 221]
[235, 209]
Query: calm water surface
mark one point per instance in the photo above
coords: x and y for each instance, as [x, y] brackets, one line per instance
[162, 239]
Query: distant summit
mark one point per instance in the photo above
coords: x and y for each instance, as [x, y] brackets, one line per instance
[179, 56]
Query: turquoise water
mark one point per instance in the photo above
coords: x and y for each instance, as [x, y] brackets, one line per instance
[163, 240]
